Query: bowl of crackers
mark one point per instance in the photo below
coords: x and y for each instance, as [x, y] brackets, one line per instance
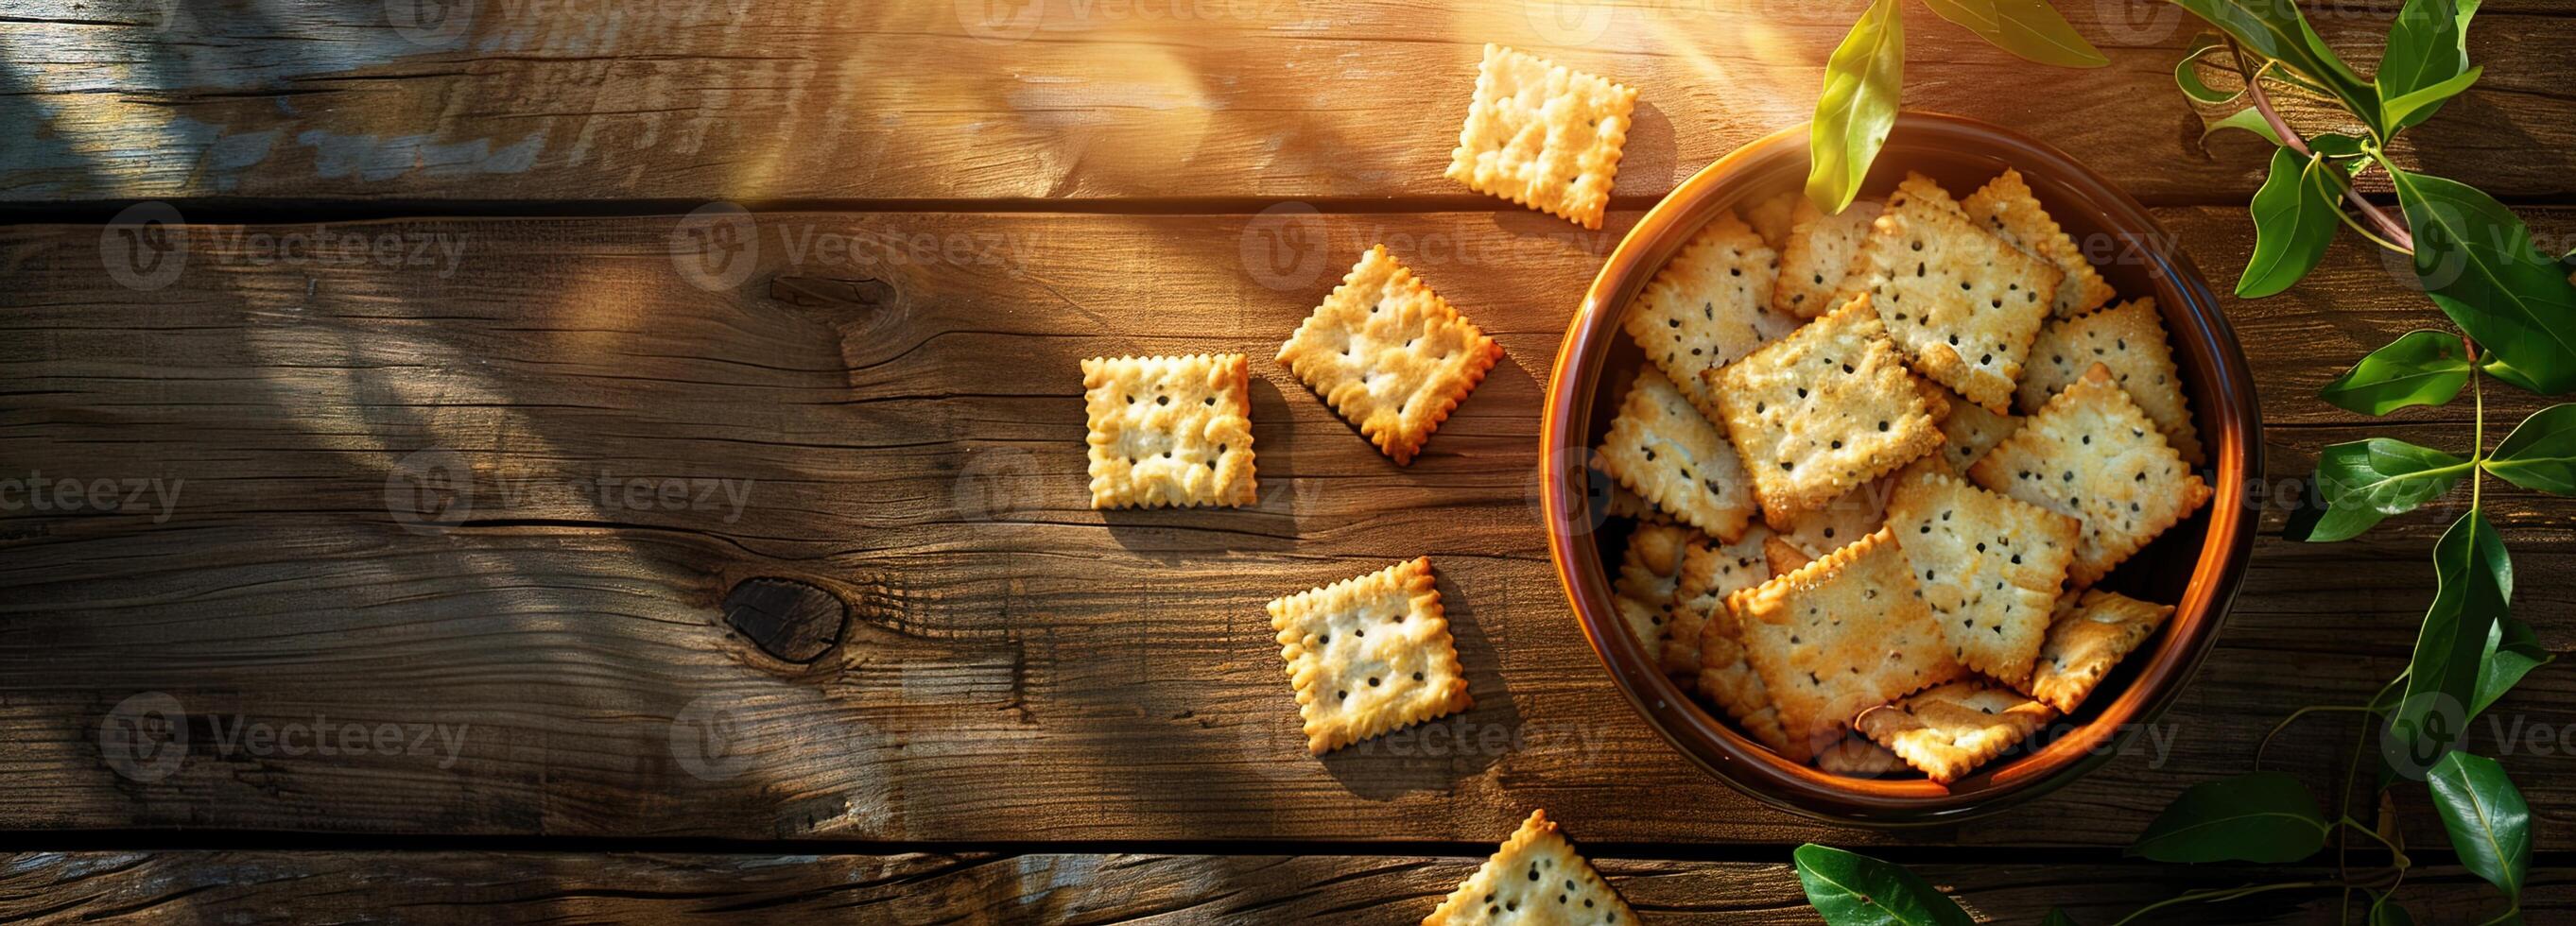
[1907, 513]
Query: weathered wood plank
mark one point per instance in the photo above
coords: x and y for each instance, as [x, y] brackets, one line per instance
[1070, 102]
[546, 630]
[515, 887]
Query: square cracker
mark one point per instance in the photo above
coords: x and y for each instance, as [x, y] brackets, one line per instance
[1661, 449]
[1622, 503]
[1169, 430]
[1710, 572]
[1536, 878]
[1389, 355]
[1728, 681]
[1542, 135]
[1849, 517]
[1819, 412]
[1969, 430]
[2092, 633]
[2130, 339]
[1817, 254]
[1989, 566]
[1950, 730]
[1857, 757]
[1772, 217]
[1707, 306]
[2091, 453]
[1962, 303]
[1353, 684]
[1650, 573]
[1843, 634]
[2007, 207]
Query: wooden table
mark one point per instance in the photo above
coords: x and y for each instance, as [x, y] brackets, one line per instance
[636, 559]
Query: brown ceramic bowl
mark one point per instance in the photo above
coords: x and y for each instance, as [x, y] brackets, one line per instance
[2195, 566]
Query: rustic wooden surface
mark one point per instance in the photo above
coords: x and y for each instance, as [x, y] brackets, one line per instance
[876, 656]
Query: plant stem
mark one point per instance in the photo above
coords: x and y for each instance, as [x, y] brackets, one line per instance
[2395, 233]
[2397, 856]
[2226, 894]
[2285, 723]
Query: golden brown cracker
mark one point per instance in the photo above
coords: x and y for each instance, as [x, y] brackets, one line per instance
[1368, 655]
[1843, 634]
[1989, 566]
[1961, 303]
[1389, 355]
[1535, 878]
[1660, 448]
[1169, 430]
[2129, 338]
[2006, 206]
[2092, 454]
[1819, 412]
[1952, 729]
[2091, 633]
[1542, 135]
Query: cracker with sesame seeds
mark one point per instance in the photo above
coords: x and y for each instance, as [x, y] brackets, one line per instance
[2091, 453]
[1772, 217]
[1988, 566]
[2091, 633]
[1352, 684]
[1708, 305]
[1848, 517]
[1661, 448]
[1842, 634]
[1535, 878]
[1961, 303]
[1710, 572]
[1650, 572]
[1969, 430]
[1817, 254]
[1950, 730]
[1728, 680]
[1389, 355]
[2130, 339]
[2006, 206]
[1542, 135]
[1815, 414]
[1169, 430]
[1857, 757]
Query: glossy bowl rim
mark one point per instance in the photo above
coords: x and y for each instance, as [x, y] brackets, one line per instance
[2218, 571]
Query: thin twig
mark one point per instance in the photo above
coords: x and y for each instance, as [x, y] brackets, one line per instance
[2389, 228]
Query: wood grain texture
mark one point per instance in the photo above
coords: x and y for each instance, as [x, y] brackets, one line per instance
[1075, 102]
[496, 503]
[518, 887]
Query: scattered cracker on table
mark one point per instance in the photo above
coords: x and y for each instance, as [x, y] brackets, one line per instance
[2130, 339]
[1353, 684]
[1989, 566]
[1542, 135]
[1950, 730]
[2091, 633]
[1650, 573]
[1856, 757]
[1535, 878]
[1169, 430]
[1841, 635]
[1710, 572]
[1660, 448]
[1819, 412]
[1817, 254]
[1389, 355]
[1708, 305]
[2091, 453]
[1729, 681]
[2008, 208]
[1961, 303]
[1772, 217]
[1969, 430]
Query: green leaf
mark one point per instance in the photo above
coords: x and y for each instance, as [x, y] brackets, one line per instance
[2057, 917]
[2294, 221]
[2476, 260]
[2256, 817]
[2386, 475]
[2331, 524]
[2029, 28]
[2490, 825]
[1864, 81]
[2422, 104]
[1850, 889]
[2274, 29]
[2512, 651]
[2428, 48]
[2385, 913]
[2419, 368]
[2540, 454]
[2187, 72]
[2249, 119]
[2335, 145]
[2476, 589]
